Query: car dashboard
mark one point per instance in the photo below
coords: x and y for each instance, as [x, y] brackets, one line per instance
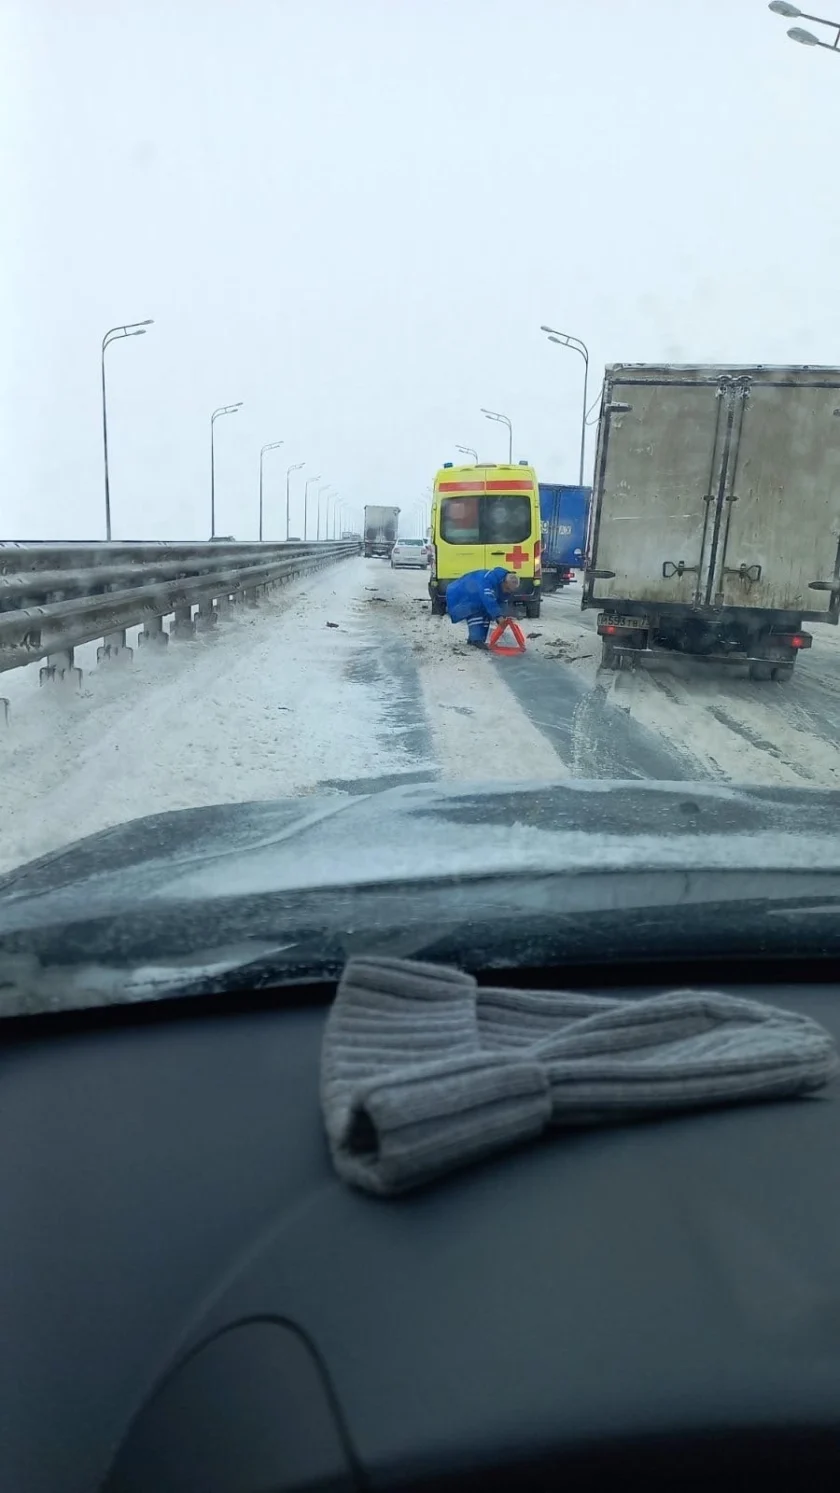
[194, 1301]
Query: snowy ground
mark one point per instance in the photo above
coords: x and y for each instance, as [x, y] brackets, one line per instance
[280, 702]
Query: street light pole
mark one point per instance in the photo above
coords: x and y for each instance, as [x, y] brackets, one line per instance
[307, 486]
[579, 346]
[503, 420]
[133, 329]
[224, 409]
[796, 33]
[467, 451]
[331, 498]
[270, 446]
[294, 468]
[325, 487]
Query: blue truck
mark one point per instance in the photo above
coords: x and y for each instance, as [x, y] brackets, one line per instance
[564, 512]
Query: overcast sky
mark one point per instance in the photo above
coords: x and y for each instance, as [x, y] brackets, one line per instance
[353, 215]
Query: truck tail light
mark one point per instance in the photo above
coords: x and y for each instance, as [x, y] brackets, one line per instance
[792, 639]
[617, 629]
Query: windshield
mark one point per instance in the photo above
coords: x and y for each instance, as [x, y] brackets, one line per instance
[270, 323]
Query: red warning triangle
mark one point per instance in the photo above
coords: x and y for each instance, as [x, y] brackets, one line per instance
[496, 646]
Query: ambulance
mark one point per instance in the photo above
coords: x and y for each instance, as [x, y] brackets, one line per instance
[484, 517]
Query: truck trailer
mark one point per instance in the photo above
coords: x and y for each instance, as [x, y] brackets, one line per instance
[380, 530]
[564, 511]
[715, 519]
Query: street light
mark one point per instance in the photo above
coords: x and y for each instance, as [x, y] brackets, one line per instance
[271, 446]
[224, 409]
[325, 487]
[330, 498]
[307, 486]
[796, 33]
[133, 329]
[467, 451]
[503, 420]
[563, 339]
[296, 466]
[337, 511]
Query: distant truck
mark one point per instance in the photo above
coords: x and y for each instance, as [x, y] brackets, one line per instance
[380, 530]
[715, 517]
[563, 514]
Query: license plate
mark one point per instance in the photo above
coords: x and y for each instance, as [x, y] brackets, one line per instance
[622, 621]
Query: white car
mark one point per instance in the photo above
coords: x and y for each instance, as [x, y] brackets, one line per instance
[409, 552]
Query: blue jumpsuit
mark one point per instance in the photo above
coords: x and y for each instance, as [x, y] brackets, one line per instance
[476, 598]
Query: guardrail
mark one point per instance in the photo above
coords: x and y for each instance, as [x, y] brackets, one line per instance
[54, 597]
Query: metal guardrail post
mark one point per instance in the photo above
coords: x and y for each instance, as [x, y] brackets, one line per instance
[183, 627]
[113, 648]
[206, 617]
[153, 632]
[60, 668]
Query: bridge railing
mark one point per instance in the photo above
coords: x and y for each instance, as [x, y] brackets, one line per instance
[55, 597]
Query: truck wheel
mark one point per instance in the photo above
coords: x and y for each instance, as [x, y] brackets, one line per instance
[532, 606]
[782, 673]
[438, 604]
[761, 671]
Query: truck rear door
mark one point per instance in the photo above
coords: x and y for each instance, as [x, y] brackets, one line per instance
[718, 487]
[657, 470]
[563, 511]
[780, 526]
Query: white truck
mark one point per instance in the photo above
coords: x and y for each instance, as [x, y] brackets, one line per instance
[715, 519]
[380, 530]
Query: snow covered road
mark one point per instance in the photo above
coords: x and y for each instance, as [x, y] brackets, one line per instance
[344, 681]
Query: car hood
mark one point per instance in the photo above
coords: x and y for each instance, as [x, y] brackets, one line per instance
[231, 880]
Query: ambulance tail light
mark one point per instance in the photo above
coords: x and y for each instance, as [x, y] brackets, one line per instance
[537, 557]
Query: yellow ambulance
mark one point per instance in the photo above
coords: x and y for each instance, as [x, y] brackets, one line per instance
[484, 517]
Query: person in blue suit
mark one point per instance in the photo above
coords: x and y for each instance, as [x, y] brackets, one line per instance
[478, 598]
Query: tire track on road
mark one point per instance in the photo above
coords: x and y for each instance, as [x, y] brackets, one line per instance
[592, 733]
[768, 718]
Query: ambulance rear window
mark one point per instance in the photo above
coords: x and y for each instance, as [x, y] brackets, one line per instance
[505, 519]
[494, 519]
[459, 521]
